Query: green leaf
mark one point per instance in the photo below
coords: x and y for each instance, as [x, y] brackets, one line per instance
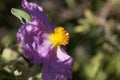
[22, 15]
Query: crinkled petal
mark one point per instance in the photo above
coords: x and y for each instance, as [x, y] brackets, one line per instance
[36, 12]
[27, 30]
[57, 66]
[35, 52]
[35, 41]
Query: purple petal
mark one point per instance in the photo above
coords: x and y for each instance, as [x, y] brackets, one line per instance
[57, 66]
[35, 41]
[36, 52]
[36, 12]
[26, 30]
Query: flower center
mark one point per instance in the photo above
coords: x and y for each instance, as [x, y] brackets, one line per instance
[60, 36]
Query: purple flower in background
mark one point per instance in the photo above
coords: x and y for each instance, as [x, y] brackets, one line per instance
[43, 43]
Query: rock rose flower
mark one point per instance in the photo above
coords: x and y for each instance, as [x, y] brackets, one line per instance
[43, 43]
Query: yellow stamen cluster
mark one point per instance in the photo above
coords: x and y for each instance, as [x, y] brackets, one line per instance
[60, 36]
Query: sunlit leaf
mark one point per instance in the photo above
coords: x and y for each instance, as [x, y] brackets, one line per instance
[22, 15]
[9, 55]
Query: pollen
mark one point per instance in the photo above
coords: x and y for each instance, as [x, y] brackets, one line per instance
[60, 36]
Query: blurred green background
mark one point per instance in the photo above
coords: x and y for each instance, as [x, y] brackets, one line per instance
[94, 27]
